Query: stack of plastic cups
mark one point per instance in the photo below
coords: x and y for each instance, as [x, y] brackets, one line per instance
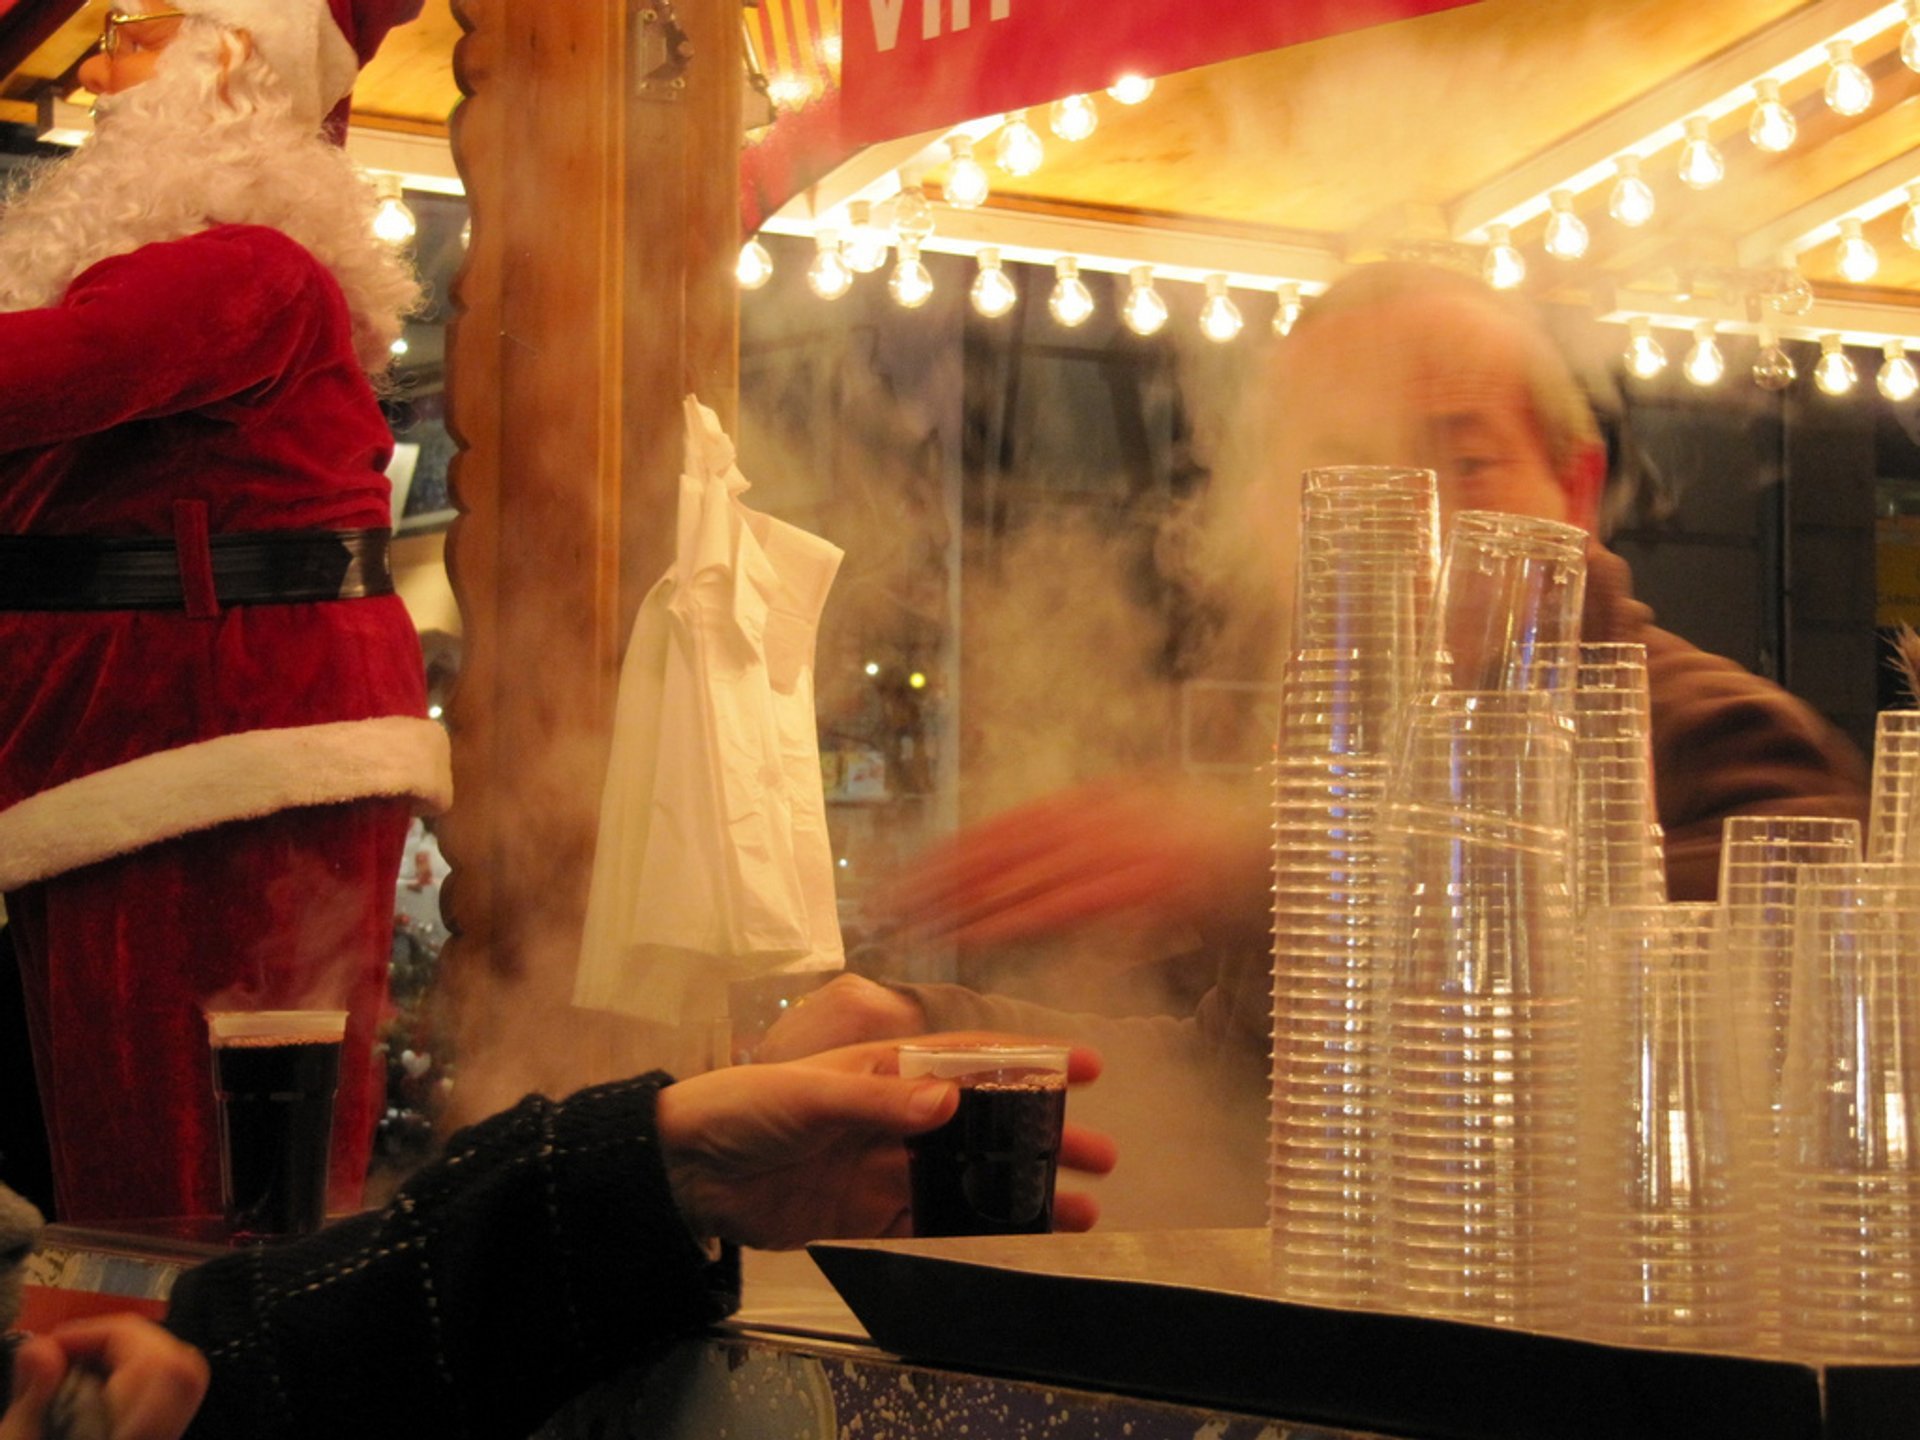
[1850, 1124]
[1368, 555]
[1483, 993]
[1618, 856]
[1896, 786]
[1482, 1026]
[1666, 1218]
[1760, 860]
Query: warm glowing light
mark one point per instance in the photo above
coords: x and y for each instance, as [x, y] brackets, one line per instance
[912, 214]
[1704, 363]
[393, 222]
[911, 283]
[789, 90]
[831, 48]
[1631, 202]
[1771, 127]
[754, 267]
[1701, 163]
[917, 681]
[434, 712]
[992, 293]
[865, 245]
[1772, 368]
[1566, 235]
[1071, 302]
[1504, 266]
[1834, 373]
[1131, 89]
[966, 187]
[399, 345]
[1073, 118]
[1220, 318]
[1897, 379]
[872, 667]
[1286, 312]
[1849, 89]
[829, 276]
[1644, 356]
[1857, 260]
[1910, 222]
[1018, 151]
[1144, 310]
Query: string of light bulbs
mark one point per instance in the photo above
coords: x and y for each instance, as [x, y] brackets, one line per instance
[1705, 362]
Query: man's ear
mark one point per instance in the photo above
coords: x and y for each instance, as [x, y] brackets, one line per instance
[1583, 477]
[235, 46]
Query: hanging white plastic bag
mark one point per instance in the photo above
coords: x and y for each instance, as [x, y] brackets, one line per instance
[713, 863]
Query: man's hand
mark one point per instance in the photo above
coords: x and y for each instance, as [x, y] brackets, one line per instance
[154, 1383]
[776, 1155]
[846, 1010]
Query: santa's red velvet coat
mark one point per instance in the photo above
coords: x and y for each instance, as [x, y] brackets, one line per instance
[196, 806]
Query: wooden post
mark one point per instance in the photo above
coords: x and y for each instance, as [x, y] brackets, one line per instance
[596, 293]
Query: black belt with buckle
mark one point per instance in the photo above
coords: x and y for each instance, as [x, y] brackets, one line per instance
[266, 567]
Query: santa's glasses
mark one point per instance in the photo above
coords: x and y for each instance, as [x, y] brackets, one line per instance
[117, 19]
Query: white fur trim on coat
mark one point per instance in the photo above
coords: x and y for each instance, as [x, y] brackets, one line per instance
[232, 777]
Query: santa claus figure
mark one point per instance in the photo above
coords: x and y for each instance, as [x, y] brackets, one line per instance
[212, 732]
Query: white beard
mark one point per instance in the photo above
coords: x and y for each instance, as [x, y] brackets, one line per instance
[182, 152]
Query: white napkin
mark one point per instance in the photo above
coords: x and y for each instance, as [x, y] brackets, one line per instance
[713, 862]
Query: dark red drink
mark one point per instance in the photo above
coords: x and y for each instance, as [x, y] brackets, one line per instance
[989, 1170]
[275, 1094]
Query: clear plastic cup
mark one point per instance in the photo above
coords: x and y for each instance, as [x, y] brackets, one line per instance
[1619, 856]
[1667, 1225]
[1896, 778]
[1850, 1121]
[1510, 590]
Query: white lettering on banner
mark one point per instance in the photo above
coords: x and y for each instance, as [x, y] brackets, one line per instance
[887, 14]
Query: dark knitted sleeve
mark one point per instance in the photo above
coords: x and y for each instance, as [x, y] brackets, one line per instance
[541, 1253]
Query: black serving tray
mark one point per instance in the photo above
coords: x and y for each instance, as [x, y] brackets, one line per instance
[1188, 1316]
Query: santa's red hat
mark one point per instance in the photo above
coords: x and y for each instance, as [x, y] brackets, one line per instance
[316, 47]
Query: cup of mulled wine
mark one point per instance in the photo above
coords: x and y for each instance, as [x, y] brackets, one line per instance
[990, 1169]
[274, 1076]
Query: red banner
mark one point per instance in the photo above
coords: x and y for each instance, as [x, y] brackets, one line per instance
[914, 65]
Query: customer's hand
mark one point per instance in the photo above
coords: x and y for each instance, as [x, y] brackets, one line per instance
[776, 1155]
[153, 1382]
[847, 1010]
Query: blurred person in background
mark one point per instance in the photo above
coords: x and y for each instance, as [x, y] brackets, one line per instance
[1398, 363]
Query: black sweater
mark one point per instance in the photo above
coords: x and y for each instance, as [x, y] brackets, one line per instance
[540, 1254]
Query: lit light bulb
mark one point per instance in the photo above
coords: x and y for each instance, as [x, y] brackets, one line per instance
[1286, 312]
[831, 49]
[1771, 127]
[1701, 163]
[1704, 364]
[1644, 357]
[865, 246]
[1073, 118]
[1018, 151]
[829, 276]
[399, 345]
[1791, 294]
[1897, 379]
[1772, 367]
[966, 187]
[1910, 222]
[1131, 89]
[1071, 302]
[393, 222]
[1144, 311]
[911, 283]
[755, 266]
[1910, 37]
[1566, 235]
[992, 293]
[1631, 202]
[912, 214]
[1220, 318]
[1834, 373]
[1849, 89]
[1504, 266]
[1856, 258]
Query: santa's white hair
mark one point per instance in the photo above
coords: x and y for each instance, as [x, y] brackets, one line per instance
[209, 139]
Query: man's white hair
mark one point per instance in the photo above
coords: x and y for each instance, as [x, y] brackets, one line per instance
[210, 139]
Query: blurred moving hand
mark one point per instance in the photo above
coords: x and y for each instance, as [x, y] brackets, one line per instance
[1166, 848]
[775, 1155]
[153, 1382]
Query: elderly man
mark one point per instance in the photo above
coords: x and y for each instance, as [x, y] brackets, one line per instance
[1396, 364]
[217, 727]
